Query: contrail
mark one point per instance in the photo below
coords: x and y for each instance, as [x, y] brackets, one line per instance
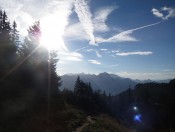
[81, 48]
[147, 26]
[85, 18]
[127, 32]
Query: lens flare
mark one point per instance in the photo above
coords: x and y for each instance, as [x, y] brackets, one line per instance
[137, 118]
[135, 108]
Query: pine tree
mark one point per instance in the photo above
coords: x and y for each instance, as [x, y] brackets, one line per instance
[77, 85]
[55, 79]
[109, 96]
[5, 24]
[15, 35]
[7, 47]
[1, 16]
[104, 94]
[90, 91]
[31, 42]
[40, 61]
[8, 60]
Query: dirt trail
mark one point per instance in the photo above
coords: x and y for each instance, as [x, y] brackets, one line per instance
[88, 121]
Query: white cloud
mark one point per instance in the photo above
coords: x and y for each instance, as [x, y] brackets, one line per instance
[115, 51]
[23, 22]
[84, 29]
[98, 54]
[61, 62]
[103, 49]
[15, 11]
[75, 32]
[81, 48]
[157, 13]
[134, 53]
[171, 12]
[95, 62]
[100, 18]
[126, 35]
[59, 69]
[90, 50]
[70, 56]
[121, 38]
[25, 12]
[99, 39]
[85, 18]
[164, 13]
[49, 12]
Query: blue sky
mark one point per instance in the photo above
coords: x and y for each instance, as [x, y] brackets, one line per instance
[131, 39]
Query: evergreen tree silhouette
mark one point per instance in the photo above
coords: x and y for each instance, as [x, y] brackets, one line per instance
[40, 63]
[77, 85]
[15, 36]
[7, 47]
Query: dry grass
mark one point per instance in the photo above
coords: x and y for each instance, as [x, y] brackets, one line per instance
[104, 123]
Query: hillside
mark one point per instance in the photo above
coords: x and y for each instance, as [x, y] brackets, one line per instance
[147, 107]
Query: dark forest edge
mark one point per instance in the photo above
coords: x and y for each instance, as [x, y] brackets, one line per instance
[30, 99]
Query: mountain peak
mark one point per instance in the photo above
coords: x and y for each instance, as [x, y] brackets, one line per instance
[104, 74]
[110, 83]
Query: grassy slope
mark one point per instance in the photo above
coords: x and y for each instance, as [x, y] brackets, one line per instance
[63, 118]
[105, 123]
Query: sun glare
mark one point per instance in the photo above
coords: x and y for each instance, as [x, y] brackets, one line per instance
[52, 31]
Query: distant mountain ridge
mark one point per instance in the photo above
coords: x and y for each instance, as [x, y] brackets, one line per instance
[110, 83]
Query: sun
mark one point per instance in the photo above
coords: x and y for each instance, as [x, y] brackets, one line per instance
[52, 31]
